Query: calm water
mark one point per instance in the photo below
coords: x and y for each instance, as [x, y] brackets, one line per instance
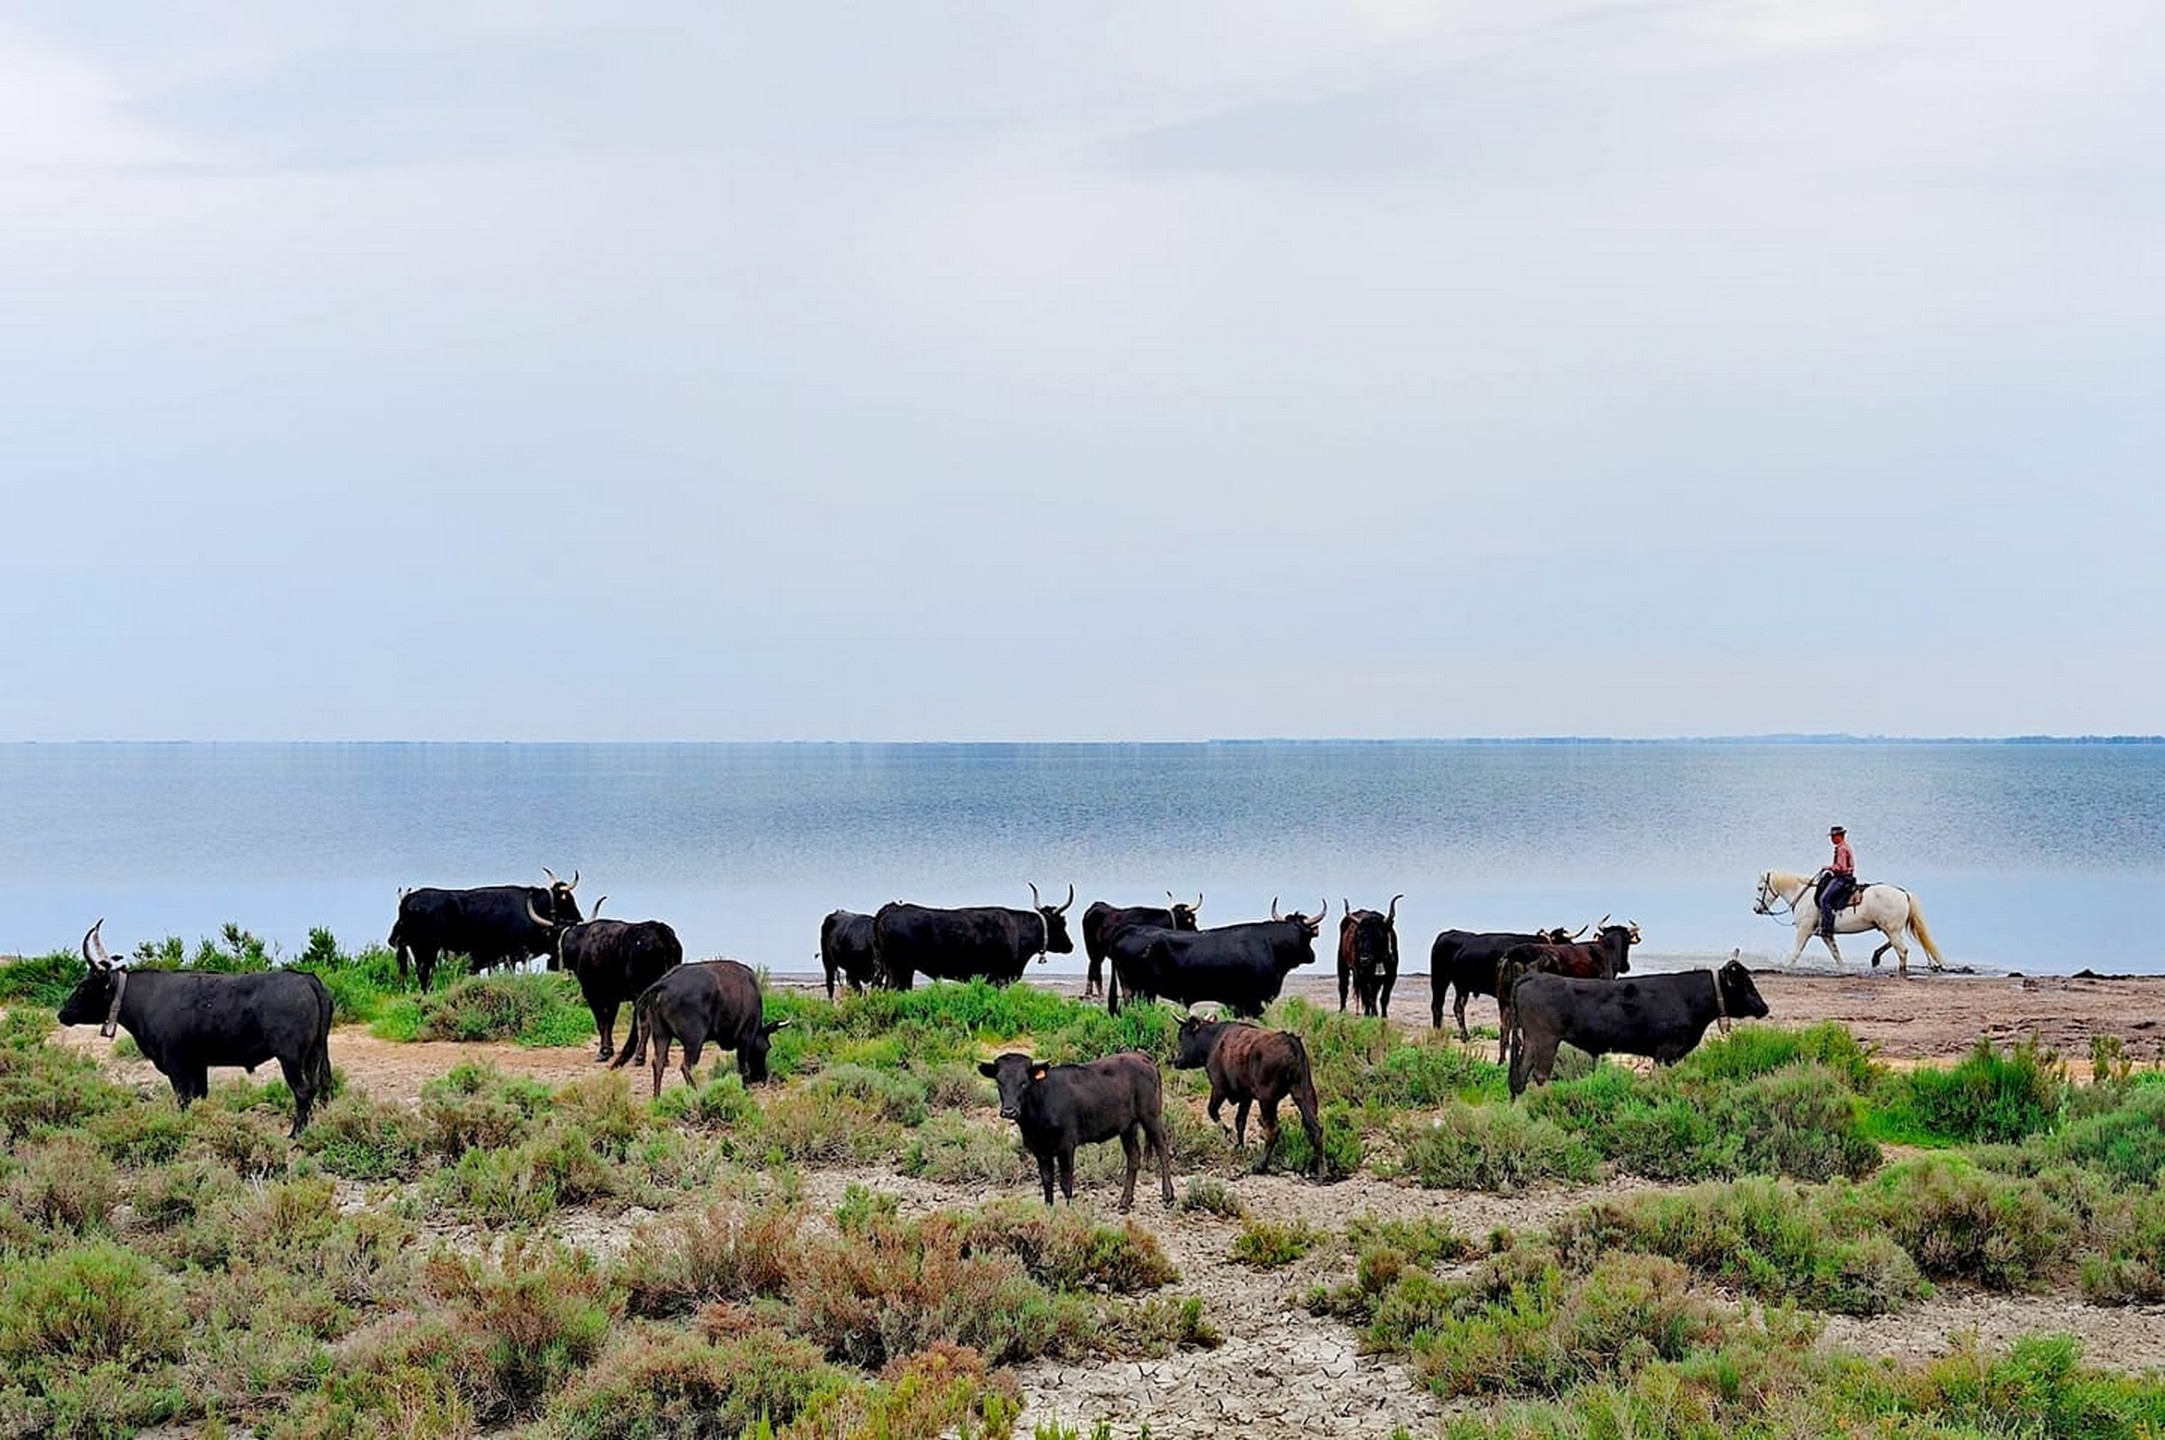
[2042, 858]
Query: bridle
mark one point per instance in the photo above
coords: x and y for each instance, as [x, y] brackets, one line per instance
[1768, 897]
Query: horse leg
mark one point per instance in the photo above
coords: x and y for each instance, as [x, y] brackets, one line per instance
[1804, 937]
[1901, 952]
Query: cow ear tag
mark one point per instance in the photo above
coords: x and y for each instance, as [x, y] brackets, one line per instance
[1037, 1072]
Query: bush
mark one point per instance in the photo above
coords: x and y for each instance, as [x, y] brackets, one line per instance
[41, 980]
[1959, 1222]
[542, 1009]
[1751, 1051]
[1267, 1245]
[729, 1251]
[87, 1305]
[2130, 1270]
[655, 1385]
[1063, 1250]
[364, 1139]
[897, 1286]
[1343, 1149]
[1493, 1147]
[1776, 1240]
[1800, 1120]
[63, 1183]
[955, 1150]
[2125, 1143]
[1988, 1097]
[532, 1320]
[1211, 1196]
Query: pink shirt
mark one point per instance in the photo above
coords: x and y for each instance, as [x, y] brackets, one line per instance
[1844, 862]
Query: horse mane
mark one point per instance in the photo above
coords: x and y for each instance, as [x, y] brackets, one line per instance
[1783, 879]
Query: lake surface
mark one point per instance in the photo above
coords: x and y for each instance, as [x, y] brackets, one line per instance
[2044, 858]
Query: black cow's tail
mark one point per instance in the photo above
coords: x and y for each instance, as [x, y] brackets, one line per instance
[319, 1058]
[1112, 985]
[1515, 1039]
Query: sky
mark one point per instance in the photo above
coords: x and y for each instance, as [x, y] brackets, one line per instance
[1140, 371]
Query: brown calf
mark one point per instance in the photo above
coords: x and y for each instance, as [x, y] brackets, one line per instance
[1247, 1064]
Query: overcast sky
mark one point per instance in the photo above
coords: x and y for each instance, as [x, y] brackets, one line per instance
[1133, 371]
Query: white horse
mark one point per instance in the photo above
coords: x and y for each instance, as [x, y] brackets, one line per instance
[1888, 909]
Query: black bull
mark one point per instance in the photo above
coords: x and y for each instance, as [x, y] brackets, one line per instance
[1466, 960]
[1661, 1017]
[187, 1023]
[614, 961]
[1368, 956]
[1242, 967]
[988, 942]
[1102, 921]
[490, 925]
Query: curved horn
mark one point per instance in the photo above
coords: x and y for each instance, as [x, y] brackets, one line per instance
[1323, 913]
[1341, 900]
[1035, 902]
[550, 873]
[1390, 916]
[1068, 902]
[595, 913]
[1598, 924]
[574, 880]
[1274, 909]
[536, 916]
[1198, 906]
[1575, 934]
[101, 960]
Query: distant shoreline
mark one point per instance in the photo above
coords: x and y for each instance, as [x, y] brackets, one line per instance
[1410, 741]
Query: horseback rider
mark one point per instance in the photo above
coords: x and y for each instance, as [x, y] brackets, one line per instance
[1836, 883]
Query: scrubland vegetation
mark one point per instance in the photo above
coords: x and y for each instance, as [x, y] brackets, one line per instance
[577, 1260]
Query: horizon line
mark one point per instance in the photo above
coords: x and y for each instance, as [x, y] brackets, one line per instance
[1762, 738]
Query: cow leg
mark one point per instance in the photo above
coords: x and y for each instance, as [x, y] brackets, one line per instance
[1343, 976]
[1094, 982]
[605, 1026]
[692, 1046]
[1270, 1133]
[1131, 1141]
[301, 1080]
[1458, 1008]
[1390, 980]
[660, 1040]
[1044, 1174]
[1503, 1028]
[1154, 1132]
[1217, 1102]
[1067, 1173]
[424, 967]
[1240, 1122]
[1304, 1100]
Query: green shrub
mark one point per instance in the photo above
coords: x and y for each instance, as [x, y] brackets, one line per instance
[364, 1139]
[1959, 1222]
[41, 980]
[1064, 1250]
[479, 1107]
[718, 1103]
[729, 1251]
[1267, 1245]
[1493, 1147]
[1211, 1196]
[1987, 1097]
[1343, 1148]
[533, 1319]
[2125, 1143]
[655, 1385]
[2130, 1267]
[541, 1009]
[1424, 1241]
[1778, 1241]
[900, 1098]
[63, 1183]
[1751, 1051]
[898, 1286]
[48, 1087]
[89, 1304]
[955, 1150]
[1801, 1120]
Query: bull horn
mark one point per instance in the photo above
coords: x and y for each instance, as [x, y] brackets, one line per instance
[1598, 924]
[1068, 902]
[1391, 916]
[1341, 900]
[1324, 913]
[595, 913]
[574, 880]
[535, 915]
[1198, 906]
[1035, 902]
[101, 960]
[550, 873]
[1574, 934]
[1274, 909]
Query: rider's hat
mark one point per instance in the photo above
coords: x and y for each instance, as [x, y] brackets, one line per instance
[1837, 830]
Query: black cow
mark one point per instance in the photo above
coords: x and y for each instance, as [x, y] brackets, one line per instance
[845, 950]
[613, 961]
[1242, 967]
[1058, 1107]
[1247, 1063]
[185, 1023]
[1368, 956]
[988, 941]
[1101, 921]
[1604, 957]
[1466, 959]
[715, 1002]
[1659, 1016]
[490, 925]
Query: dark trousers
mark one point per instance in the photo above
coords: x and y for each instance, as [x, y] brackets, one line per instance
[1834, 893]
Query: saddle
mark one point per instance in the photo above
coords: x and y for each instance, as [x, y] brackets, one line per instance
[1856, 892]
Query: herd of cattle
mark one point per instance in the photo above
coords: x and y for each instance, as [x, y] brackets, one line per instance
[1551, 988]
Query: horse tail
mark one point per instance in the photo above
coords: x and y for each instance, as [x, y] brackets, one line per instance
[1924, 936]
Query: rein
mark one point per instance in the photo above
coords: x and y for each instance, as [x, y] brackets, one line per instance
[112, 1013]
